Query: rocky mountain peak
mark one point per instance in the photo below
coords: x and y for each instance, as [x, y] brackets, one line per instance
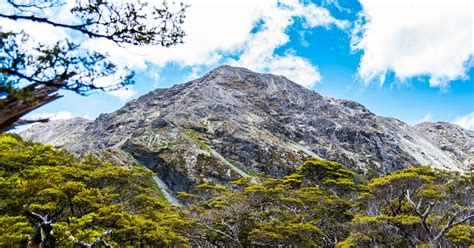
[233, 122]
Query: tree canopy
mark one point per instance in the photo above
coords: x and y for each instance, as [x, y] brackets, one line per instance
[415, 207]
[85, 197]
[31, 73]
[321, 204]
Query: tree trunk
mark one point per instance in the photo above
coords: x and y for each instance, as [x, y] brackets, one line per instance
[27, 99]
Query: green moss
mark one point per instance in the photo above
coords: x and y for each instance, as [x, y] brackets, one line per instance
[158, 191]
[195, 137]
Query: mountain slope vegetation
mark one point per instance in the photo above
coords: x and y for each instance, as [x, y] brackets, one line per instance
[234, 123]
[321, 203]
[84, 196]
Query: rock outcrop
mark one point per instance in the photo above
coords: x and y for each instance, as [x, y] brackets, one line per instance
[233, 122]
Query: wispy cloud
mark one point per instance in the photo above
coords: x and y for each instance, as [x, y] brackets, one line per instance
[427, 117]
[194, 73]
[258, 52]
[466, 121]
[60, 115]
[123, 94]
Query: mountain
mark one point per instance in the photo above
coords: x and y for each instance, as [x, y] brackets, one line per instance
[233, 122]
[452, 139]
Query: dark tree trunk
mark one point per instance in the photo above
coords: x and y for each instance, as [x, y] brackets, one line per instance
[14, 106]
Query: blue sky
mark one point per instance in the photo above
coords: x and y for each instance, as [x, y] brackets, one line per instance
[414, 68]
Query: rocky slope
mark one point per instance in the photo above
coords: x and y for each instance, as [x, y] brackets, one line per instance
[454, 140]
[233, 122]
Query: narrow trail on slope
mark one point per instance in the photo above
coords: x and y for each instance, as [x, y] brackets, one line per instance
[166, 191]
[233, 167]
[304, 149]
[217, 155]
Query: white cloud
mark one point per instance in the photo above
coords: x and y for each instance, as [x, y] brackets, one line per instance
[415, 38]
[258, 52]
[60, 115]
[427, 117]
[219, 29]
[43, 33]
[212, 28]
[466, 121]
[293, 67]
[194, 73]
[155, 75]
[124, 93]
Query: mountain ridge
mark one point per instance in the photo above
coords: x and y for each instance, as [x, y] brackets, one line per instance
[233, 122]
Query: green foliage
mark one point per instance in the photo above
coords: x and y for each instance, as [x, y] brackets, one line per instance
[328, 175]
[322, 204]
[274, 212]
[157, 188]
[86, 196]
[414, 207]
[195, 138]
[14, 229]
[461, 235]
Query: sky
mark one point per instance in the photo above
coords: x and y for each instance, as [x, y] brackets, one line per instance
[408, 59]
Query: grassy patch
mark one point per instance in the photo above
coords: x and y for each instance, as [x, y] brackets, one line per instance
[158, 191]
[195, 137]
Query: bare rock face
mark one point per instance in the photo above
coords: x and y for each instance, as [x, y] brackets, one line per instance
[233, 122]
[61, 133]
[454, 140]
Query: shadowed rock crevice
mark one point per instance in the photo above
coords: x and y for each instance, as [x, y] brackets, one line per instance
[175, 180]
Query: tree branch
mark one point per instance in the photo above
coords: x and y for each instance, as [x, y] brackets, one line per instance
[22, 122]
[218, 231]
[35, 216]
[423, 215]
[98, 240]
[12, 108]
[452, 224]
[79, 28]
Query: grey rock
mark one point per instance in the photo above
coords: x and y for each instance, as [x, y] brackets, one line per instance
[233, 122]
[61, 133]
[454, 140]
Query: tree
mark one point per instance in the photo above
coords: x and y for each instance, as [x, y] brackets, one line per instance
[31, 74]
[88, 201]
[302, 209]
[414, 207]
[93, 203]
[328, 175]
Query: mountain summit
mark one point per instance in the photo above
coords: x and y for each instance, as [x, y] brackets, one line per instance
[233, 122]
